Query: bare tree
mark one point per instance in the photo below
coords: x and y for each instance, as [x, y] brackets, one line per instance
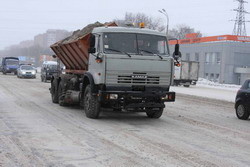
[181, 30]
[137, 18]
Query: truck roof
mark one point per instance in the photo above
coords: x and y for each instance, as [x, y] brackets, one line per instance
[127, 30]
[11, 58]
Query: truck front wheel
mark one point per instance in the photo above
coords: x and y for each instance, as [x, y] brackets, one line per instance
[91, 104]
[154, 114]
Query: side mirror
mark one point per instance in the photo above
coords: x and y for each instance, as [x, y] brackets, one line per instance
[177, 53]
[92, 44]
[92, 50]
[92, 41]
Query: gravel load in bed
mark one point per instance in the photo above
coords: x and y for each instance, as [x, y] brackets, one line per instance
[80, 33]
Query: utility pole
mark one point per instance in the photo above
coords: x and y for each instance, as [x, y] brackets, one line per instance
[239, 25]
[163, 11]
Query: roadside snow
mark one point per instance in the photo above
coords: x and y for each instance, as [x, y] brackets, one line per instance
[208, 89]
[209, 84]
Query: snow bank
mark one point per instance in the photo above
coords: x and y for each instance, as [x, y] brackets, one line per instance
[209, 84]
[208, 89]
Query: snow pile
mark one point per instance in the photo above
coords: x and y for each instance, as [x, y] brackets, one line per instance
[206, 83]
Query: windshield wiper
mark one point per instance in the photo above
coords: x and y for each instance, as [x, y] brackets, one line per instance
[147, 51]
[119, 51]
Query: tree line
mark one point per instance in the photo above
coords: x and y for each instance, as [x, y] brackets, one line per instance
[179, 31]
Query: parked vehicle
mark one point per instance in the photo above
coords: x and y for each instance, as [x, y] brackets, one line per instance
[26, 71]
[9, 65]
[186, 73]
[242, 101]
[125, 69]
[48, 69]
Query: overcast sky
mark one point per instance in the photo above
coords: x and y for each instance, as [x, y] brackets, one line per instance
[23, 19]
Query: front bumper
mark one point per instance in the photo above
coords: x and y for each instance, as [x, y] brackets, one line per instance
[10, 70]
[136, 99]
[28, 75]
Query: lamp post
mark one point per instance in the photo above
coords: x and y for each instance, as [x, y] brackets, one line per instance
[163, 11]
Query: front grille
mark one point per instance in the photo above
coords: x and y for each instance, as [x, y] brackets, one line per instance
[138, 78]
[28, 72]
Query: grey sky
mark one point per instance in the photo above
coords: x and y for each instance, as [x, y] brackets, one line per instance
[23, 19]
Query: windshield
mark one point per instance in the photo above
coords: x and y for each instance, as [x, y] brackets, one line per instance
[135, 43]
[52, 67]
[27, 68]
[12, 62]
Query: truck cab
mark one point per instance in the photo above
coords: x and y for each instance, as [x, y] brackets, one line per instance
[9, 65]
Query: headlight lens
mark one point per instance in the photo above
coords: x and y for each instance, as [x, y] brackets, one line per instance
[23, 72]
[33, 72]
[113, 96]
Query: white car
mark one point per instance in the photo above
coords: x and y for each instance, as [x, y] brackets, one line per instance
[26, 71]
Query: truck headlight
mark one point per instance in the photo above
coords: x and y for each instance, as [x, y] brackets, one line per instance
[168, 97]
[113, 96]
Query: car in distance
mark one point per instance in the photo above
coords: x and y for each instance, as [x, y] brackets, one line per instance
[242, 101]
[48, 69]
[26, 71]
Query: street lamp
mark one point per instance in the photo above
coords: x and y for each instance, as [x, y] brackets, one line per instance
[163, 11]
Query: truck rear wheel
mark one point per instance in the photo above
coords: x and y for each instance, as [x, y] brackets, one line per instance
[54, 91]
[91, 104]
[61, 94]
[154, 114]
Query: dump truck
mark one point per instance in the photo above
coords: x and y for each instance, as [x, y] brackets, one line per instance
[120, 68]
[186, 73]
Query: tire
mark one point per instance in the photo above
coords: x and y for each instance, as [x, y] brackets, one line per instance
[41, 79]
[61, 94]
[54, 91]
[4, 73]
[154, 114]
[91, 104]
[187, 86]
[242, 112]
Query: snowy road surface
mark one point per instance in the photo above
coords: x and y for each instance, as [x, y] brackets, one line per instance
[193, 131]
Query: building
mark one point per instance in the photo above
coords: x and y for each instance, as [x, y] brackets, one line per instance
[223, 59]
[50, 37]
